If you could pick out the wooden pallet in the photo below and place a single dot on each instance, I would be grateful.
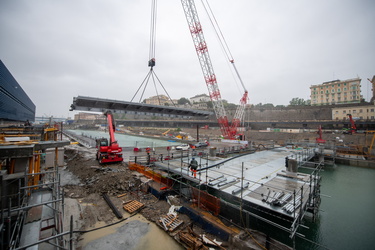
(170, 222)
(133, 206)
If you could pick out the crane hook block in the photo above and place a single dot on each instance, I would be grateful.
(151, 63)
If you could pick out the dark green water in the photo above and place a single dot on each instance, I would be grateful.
(347, 219)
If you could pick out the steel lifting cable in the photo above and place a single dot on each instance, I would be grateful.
(151, 62)
(153, 30)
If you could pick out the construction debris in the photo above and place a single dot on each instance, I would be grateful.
(112, 206)
(191, 241)
(133, 206)
(170, 222)
(121, 195)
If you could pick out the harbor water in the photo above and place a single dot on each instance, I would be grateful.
(347, 218)
(129, 141)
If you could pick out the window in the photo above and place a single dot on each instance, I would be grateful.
(333, 90)
(345, 84)
(344, 111)
(321, 92)
(338, 90)
(360, 111)
(338, 84)
(354, 111)
(337, 111)
(345, 89)
(372, 117)
(372, 110)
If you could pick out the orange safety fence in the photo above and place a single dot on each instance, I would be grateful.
(150, 174)
(206, 201)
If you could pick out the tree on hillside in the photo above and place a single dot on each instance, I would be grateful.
(210, 105)
(296, 101)
(183, 101)
(266, 105)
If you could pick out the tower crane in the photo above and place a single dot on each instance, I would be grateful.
(229, 131)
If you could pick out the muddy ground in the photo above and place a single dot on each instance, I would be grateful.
(115, 179)
(84, 181)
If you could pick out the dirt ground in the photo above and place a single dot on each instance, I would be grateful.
(212, 134)
(114, 179)
(84, 181)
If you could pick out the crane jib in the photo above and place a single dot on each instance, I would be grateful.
(201, 48)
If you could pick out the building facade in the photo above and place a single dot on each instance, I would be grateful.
(200, 98)
(358, 112)
(159, 100)
(15, 104)
(336, 92)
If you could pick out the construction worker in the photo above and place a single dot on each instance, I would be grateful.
(193, 167)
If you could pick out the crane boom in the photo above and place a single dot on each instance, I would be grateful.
(112, 152)
(201, 48)
(206, 65)
(111, 127)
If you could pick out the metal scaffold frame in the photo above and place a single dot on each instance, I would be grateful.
(31, 196)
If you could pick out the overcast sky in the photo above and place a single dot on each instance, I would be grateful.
(57, 50)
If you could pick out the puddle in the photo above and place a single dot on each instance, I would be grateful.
(135, 233)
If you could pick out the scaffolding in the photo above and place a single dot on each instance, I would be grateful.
(31, 196)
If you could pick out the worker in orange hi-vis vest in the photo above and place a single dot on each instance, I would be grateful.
(193, 167)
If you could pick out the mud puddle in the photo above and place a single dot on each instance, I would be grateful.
(134, 233)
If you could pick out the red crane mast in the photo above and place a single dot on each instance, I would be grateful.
(201, 48)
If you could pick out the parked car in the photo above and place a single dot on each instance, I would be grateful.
(183, 147)
(200, 144)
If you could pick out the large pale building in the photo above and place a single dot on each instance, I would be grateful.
(358, 112)
(159, 100)
(200, 98)
(336, 92)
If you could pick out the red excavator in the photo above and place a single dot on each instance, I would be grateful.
(320, 133)
(109, 153)
(353, 127)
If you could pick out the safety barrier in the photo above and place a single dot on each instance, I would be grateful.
(150, 174)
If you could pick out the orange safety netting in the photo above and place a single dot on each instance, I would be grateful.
(150, 174)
